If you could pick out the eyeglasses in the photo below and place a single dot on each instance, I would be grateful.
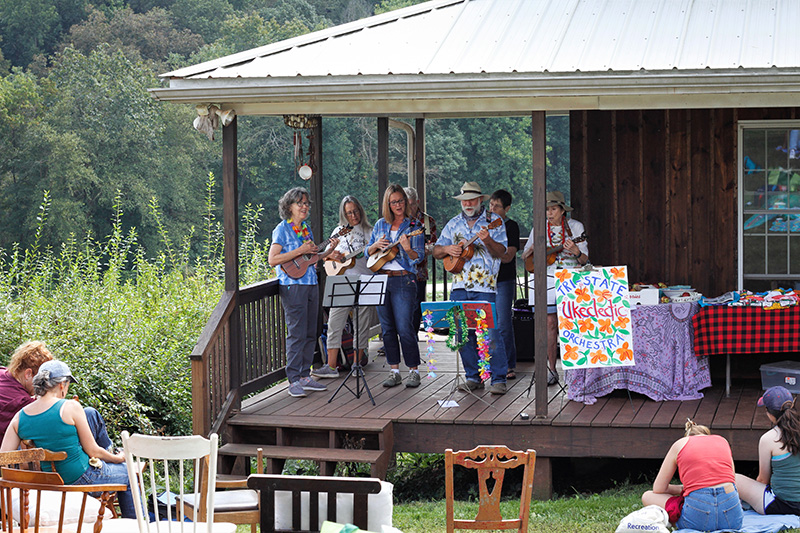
(351, 213)
(304, 204)
(397, 202)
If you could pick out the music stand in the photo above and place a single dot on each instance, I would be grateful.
(469, 308)
(354, 291)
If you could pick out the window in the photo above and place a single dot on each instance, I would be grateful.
(769, 205)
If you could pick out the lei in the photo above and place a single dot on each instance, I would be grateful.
(483, 346)
(459, 332)
(428, 318)
(301, 231)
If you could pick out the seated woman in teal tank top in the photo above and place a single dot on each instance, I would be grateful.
(776, 490)
(57, 424)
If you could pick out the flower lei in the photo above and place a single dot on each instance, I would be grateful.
(459, 332)
(483, 346)
(428, 318)
(301, 231)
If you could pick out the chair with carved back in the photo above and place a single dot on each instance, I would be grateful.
(158, 463)
(66, 507)
(491, 463)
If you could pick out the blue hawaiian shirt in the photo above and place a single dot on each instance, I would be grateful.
(284, 235)
(383, 228)
(479, 273)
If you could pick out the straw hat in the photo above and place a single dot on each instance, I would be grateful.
(471, 190)
(557, 198)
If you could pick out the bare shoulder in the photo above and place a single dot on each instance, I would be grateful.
(772, 439)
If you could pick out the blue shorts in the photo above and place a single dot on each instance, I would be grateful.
(710, 509)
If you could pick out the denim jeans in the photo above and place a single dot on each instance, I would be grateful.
(98, 427)
(504, 335)
(397, 320)
(111, 473)
(300, 305)
(711, 509)
(469, 353)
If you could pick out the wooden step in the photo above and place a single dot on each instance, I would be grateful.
(358, 425)
(302, 452)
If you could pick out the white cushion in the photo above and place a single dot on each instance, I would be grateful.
(231, 500)
(379, 509)
(51, 506)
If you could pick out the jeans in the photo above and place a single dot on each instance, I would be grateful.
(469, 353)
(505, 328)
(300, 306)
(711, 509)
(397, 320)
(111, 473)
(98, 427)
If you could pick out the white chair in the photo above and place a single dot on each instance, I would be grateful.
(162, 462)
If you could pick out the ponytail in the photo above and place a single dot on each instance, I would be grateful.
(695, 429)
(788, 421)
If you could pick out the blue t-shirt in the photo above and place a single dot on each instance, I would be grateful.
(284, 235)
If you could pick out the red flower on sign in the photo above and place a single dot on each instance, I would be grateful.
(618, 272)
(598, 356)
(563, 275)
(586, 325)
(622, 322)
(583, 294)
(625, 352)
(602, 295)
(605, 325)
(565, 323)
(571, 352)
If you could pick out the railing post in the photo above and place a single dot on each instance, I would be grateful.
(230, 206)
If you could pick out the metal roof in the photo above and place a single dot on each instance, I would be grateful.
(460, 56)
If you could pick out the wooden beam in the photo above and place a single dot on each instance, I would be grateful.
(383, 159)
(419, 161)
(230, 202)
(315, 184)
(539, 139)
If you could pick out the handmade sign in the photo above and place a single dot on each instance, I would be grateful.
(594, 317)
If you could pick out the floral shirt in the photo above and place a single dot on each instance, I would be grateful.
(430, 239)
(479, 273)
(353, 242)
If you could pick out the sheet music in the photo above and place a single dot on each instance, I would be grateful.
(373, 289)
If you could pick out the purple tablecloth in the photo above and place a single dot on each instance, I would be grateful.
(666, 367)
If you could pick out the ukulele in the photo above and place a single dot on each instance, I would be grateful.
(551, 253)
(335, 268)
(380, 258)
(454, 265)
(296, 268)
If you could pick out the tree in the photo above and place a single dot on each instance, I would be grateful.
(29, 27)
(202, 17)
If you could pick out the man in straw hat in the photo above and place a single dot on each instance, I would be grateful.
(477, 280)
(569, 233)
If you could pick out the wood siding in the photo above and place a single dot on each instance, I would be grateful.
(657, 190)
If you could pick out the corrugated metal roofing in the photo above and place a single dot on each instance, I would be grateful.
(528, 36)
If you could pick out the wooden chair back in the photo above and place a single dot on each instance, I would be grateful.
(26, 481)
(30, 458)
(491, 463)
(175, 464)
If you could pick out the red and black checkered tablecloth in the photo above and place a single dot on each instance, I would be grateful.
(738, 330)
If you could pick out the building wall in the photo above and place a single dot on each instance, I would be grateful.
(657, 191)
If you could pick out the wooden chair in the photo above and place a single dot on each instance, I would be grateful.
(168, 461)
(25, 481)
(491, 462)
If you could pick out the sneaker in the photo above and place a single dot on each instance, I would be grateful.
(325, 372)
(413, 380)
(470, 385)
(393, 380)
(497, 388)
(296, 390)
(552, 377)
(310, 384)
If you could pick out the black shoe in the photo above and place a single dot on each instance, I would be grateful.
(552, 377)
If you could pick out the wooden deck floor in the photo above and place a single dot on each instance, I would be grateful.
(616, 426)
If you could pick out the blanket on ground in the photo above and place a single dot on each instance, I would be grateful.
(757, 523)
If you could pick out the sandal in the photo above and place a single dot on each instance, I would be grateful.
(511, 374)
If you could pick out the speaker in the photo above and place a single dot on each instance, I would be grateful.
(522, 322)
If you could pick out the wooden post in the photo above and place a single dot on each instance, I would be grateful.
(383, 159)
(315, 184)
(230, 208)
(539, 139)
(419, 162)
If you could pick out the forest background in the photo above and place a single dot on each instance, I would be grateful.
(110, 247)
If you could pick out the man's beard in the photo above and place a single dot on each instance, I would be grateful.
(470, 211)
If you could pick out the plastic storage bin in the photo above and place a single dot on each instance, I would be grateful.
(785, 373)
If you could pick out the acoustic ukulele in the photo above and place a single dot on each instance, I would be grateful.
(380, 258)
(551, 254)
(336, 268)
(454, 265)
(297, 267)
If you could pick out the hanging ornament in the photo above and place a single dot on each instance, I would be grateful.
(298, 123)
(428, 319)
(482, 335)
(457, 336)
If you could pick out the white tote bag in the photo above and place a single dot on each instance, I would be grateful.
(650, 519)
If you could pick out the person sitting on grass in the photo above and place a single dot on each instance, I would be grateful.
(57, 424)
(776, 490)
(705, 465)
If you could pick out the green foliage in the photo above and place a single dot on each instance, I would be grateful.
(125, 323)
(203, 17)
(390, 5)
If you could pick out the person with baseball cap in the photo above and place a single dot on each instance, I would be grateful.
(776, 490)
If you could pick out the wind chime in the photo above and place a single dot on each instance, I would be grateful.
(303, 159)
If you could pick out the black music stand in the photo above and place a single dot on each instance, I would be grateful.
(355, 291)
(469, 307)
